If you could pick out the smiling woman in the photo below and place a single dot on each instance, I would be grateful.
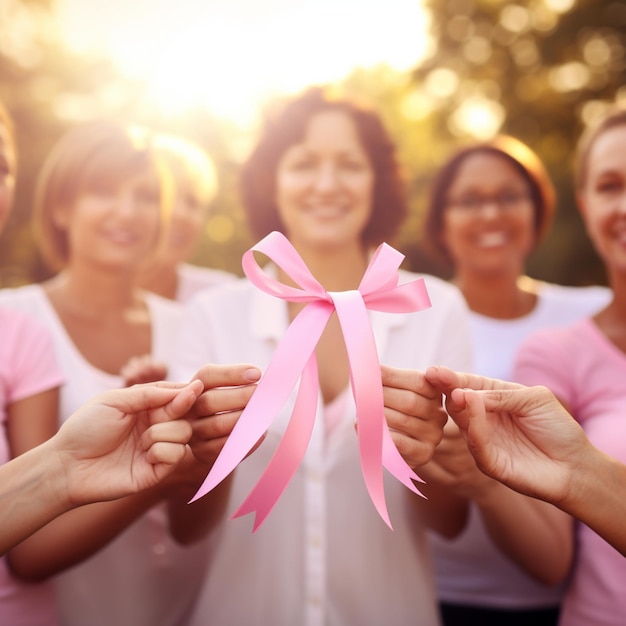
(231, 55)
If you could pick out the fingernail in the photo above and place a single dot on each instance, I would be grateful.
(252, 374)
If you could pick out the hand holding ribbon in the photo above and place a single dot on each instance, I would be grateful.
(295, 358)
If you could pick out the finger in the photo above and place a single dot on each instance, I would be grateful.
(477, 427)
(221, 400)
(138, 398)
(214, 426)
(408, 380)
(446, 379)
(184, 400)
(166, 453)
(213, 375)
(177, 431)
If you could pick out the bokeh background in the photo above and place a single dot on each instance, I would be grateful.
(440, 72)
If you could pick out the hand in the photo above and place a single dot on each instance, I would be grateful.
(414, 412)
(454, 467)
(124, 440)
(227, 390)
(522, 436)
(142, 369)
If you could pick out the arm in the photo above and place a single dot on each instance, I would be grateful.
(524, 437)
(533, 534)
(120, 442)
(415, 416)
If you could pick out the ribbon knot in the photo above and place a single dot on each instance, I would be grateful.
(295, 359)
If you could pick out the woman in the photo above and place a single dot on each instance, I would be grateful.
(99, 216)
(584, 363)
(195, 187)
(30, 378)
(324, 174)
(491, 204)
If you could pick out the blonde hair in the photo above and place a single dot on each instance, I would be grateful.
(90, 156)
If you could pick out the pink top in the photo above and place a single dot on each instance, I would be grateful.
(27, 368)
(587, 372)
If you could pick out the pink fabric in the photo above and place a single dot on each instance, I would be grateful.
(295, 358)
(587, 372)
(27, 368)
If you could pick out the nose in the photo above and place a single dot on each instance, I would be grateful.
(327, 178)
(489, 208)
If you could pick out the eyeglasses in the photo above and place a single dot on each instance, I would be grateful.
(506, 201)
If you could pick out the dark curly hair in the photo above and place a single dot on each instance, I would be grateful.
(288, 127)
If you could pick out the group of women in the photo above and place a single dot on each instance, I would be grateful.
(117, 213)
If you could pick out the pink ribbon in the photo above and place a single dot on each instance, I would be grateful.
(295, 358)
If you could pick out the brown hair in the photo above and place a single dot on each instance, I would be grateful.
(258, 180)
(6, 121)
(89, 156)
(612, 118)
(525, 161)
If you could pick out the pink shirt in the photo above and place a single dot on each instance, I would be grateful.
(27, 368)
(585, 370)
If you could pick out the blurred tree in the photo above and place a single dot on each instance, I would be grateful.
(47, 88)
(537, 70)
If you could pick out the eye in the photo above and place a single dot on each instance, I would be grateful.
(468, 203)
(511, 199)
(608, 186)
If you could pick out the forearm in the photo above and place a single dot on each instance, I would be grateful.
(533, 534)
(77, 535)
(192, 522)
(598, 497)
(441, 510)
(31, 494)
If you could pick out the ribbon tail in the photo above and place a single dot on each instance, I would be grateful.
(290, 451)
(397, 466)
(368, 392)
(281, 376)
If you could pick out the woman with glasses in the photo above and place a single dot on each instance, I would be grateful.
(491, 203)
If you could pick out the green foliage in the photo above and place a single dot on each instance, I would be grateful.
(538, 73)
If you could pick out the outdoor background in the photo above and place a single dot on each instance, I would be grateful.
(440, 72)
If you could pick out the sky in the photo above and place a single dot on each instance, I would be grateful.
(229, 55)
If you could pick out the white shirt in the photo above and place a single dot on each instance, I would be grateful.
(323, 556)
(141, 578)
(470, 569)
(194, 278)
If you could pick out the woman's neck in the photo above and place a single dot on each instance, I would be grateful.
(93, 293)
(337, 269)
(499, 296)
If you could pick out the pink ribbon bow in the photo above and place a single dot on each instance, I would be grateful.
(295, 358)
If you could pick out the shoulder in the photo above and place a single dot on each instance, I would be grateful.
(25, 297)
(594, 296)
(438, 288)
(195, 278)
(565, 339)
(163, 308)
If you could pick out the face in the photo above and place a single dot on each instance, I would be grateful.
(7, 176)
(324, 184)
(114, 227)
(488, 223)
(603, 198)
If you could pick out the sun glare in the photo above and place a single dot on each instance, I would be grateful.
(229, 55)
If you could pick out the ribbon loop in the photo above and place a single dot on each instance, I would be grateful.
(294, 359)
